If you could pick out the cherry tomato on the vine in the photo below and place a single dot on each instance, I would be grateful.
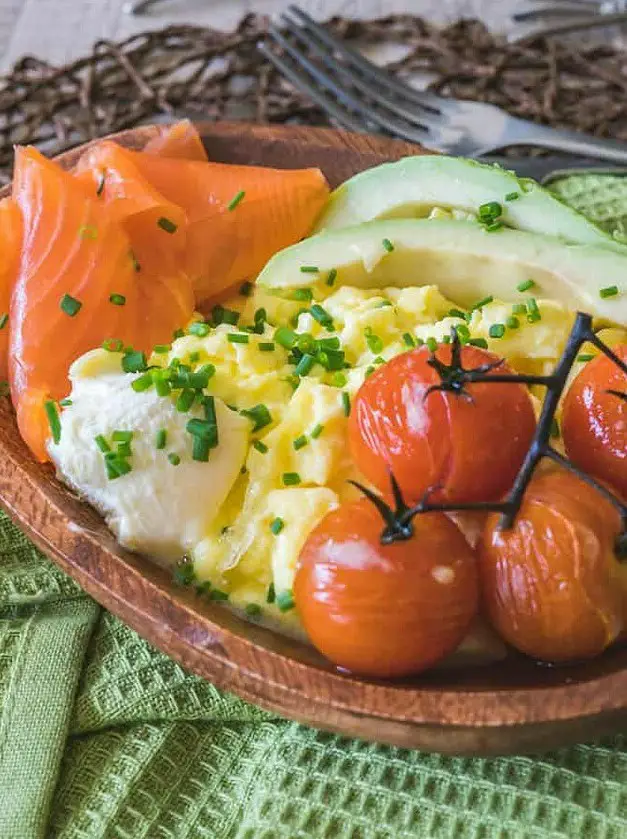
(470, 446)
(385, 610)
(552, 584)
(594, 420)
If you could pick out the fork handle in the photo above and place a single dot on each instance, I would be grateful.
(523, 133)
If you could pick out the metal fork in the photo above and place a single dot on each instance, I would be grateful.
(360, 96)
(544, 18)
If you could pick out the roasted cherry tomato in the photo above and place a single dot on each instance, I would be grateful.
(594, 421)
(552, 584)
(469, 445)
(385, 610)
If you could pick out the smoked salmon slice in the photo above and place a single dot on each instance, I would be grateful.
(180, 140)
(10, 240)
(81, 280)
(237, 216)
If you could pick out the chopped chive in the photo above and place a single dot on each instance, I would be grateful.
(124, 449)
(512, 322)
(525, 285)
(463, 333)
(408, 340)
(329, 343)
(199, 379)
(332, 276)
(369, 371)
(304, 295)
(519, 309)
(53, 420)
(608, 291)
(494, 226)
(285, 601)
(102, 444)
(238, 338)
(200, 449)
(479, 342)
(185, 400)
(209, 404)
(432, 344)
(533, 312)
(134, 361)
(490, 210)
(69, 305)
(293, 381)
(309, 269)
(65, 403)
(389, 247)
(178, 333)
(101, 184)
(230, 316)
(481, 303)
(291, 479)
(271, 594)
(161, 438)
(260, 447)
(112, 345)
(584, 357)
(217, 315)
(321, 315)
(142, 383)
(457, 313)
(122, 436)
(193, 357)
(117, 299)
(332, 359)
(199, 328)
(497, 330)
(253, 610)
(375, 344)
(259, 414)
(88, 231)
(246, 289)
(4, 319)
(174, 459)
(217, 594)
(201, 428)
(235, 200)
(446, 339)
(162, 349)
(266, 346)
(285, 337)
(346, 403)
(383, 304)
(167, 224)
(277, 526)
(339, 379)
(512, 196)
(295, 318)
(305, 365)
(300, 442)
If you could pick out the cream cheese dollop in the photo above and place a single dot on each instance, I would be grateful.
(157, 508)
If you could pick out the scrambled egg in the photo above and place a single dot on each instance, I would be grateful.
(283, 459)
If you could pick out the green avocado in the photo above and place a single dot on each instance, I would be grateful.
(414, 186)
(463, 259)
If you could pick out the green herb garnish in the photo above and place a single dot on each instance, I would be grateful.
(174, 459)
(117, 299)
(277, 525)
(291, 479)
(259, 414)
(167, 224)
(69, 305)
(235, 200)
(389, 247)
(161, 438)
(608, 291)
(525, 285)
(346, 403)
(285, 600)
(260, 447)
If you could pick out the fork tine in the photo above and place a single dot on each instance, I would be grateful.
(424, 99)
(375, 117)
(428, 118)
(302, 82)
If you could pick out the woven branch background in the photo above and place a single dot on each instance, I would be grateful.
(196, 71)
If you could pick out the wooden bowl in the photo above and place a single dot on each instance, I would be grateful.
(513, 706)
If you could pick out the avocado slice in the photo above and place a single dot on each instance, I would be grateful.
(465, 261)
(414, 186)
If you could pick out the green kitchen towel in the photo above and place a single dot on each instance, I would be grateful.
(103, 737)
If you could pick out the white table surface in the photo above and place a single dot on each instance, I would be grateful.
(59, 30)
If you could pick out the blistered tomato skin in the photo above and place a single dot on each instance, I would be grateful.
(594, 421)
(385, 611)
(552, 585)
(470, 448)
